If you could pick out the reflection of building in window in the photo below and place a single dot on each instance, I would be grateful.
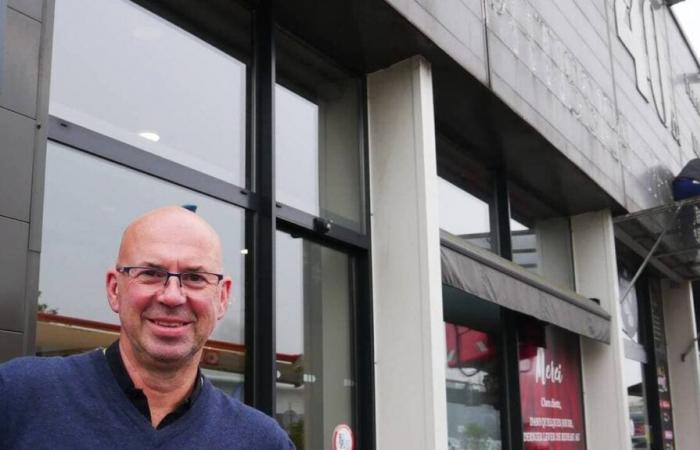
(473, 416)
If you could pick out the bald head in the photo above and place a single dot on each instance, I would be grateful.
(171, 225)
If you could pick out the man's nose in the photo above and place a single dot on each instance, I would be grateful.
(172, 294)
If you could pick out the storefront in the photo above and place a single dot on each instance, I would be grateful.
(424, 206)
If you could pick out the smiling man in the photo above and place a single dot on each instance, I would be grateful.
(146, 389)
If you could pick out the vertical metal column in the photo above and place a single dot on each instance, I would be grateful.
(511, 413)
(260, 309)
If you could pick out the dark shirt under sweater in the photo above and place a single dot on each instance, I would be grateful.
(137, 397)
(75, 402)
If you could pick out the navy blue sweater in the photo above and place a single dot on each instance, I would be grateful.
(75, 403)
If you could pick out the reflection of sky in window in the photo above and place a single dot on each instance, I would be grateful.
(121, 71)
(296, 151)
(631, 372)
(87, 203)
(462, 213)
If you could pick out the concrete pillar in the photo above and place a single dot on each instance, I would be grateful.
(25, 43)
(595, 273)
(679, 320)
(554, 251)
(411, 408)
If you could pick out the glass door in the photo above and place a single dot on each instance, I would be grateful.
(314, 339)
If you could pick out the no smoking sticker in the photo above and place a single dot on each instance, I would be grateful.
(343, 438)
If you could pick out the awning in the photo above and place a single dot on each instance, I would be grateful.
(495, 279)
(667, 237)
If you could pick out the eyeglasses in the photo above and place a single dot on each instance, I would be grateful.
(152, 276)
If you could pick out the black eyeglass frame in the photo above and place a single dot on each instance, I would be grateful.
(125, 270)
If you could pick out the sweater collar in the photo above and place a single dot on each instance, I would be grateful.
(137, 397)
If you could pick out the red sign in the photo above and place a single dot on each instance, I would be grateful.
(550, 391)
(466, 347)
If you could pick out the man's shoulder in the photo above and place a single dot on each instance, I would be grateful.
(249, 423)
(27, 370)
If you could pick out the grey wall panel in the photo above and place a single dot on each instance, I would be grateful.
(32, 8)
(17, 140)
(21, 64)
(10, 345)
(454, 25)
(31, 299)
(653, 145)
(13, 261)
(549, 62)
(686, 93)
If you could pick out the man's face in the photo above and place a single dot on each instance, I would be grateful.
(167, 325)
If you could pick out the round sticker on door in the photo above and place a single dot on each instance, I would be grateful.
(343, 438)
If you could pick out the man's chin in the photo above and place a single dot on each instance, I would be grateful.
(172, 355)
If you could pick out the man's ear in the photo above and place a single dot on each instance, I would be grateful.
(224, 295)
(112, 290)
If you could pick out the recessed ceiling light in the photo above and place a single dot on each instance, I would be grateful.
(150, 135)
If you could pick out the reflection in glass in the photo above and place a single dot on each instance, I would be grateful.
(314, 344)
(636, 403)
(87, 203)
(318, 138)
(628, 306)
(128, 74)
(472, 379)
(524, 245)
(543, 246)
(464, 215)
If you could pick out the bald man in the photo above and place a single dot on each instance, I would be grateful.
(146, 389)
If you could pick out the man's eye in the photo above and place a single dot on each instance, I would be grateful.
(193, 277)
(150, 273)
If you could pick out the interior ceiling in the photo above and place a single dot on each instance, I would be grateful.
(368, 35)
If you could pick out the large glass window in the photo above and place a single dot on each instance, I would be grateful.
(464, 215)
(318, 136)
(473, 385)
(473, 373)
(128, 74)
(540, 238)
(87, 204)
(315, 385)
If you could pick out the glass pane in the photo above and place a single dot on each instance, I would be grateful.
(315, 384)
(629, 306)
(543, 246)
(473, 389)
(125, 73)
(633, 373)
(318, 143)
(464, 215)
(87, 203)
(524, 245)
(296, 145)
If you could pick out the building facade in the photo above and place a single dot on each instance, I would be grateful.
(434, 212)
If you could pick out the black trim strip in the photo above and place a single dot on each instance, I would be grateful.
(105, 147)
(261, 370)
(288, 215)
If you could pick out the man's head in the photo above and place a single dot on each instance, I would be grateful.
(166, 323)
